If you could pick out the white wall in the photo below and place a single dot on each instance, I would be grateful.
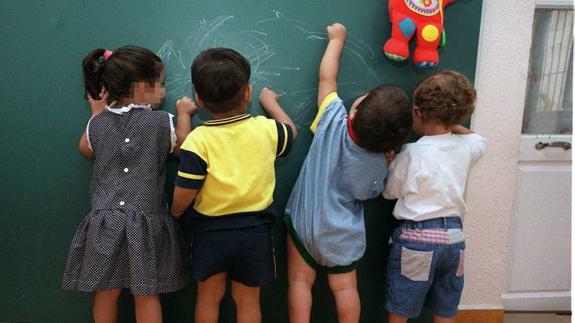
(501, 80)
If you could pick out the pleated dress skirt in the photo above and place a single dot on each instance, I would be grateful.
(142, 252)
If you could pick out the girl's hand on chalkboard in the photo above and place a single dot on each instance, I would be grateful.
(336, 31)
(186, 105)
(98, 106)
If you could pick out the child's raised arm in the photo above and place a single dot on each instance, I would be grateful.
(329, 66)
(269, 101)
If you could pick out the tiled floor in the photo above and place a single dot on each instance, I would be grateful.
(535, 318)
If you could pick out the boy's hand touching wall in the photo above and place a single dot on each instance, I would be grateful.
(268, 97)
(185, 105)
(185, 109)
(336, 31)
(269, 101)
(329, 66)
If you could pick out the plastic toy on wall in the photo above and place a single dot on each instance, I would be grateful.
(423, 18)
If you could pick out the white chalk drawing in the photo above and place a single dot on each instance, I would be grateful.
(260, 48)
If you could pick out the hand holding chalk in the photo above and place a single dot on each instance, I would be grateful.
(336, 31)
(186, 105)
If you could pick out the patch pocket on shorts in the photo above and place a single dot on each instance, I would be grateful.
(460, 266)
(415, 264)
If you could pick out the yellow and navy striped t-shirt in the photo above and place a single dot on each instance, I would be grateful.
(231, 162)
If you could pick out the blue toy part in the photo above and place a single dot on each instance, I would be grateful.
(407, 27)
(425, 65)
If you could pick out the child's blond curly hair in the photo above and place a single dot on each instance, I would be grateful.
(446, 97)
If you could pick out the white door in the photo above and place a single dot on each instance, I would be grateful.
(539, 263)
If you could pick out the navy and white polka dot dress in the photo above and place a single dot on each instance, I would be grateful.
(129, 239)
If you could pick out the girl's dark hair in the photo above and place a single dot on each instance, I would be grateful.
(382, 121)
(220, 77)
(446, 97)
(117, 74)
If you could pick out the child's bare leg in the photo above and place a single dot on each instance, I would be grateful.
(300, 280)
(394, 318)
(247, 300)
(439, 319)
(210, 293)
(105, 305)
(148, 309)
(344, 289)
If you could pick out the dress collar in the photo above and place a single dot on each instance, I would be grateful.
(127, 108)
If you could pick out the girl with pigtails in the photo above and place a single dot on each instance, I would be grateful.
(128, 240)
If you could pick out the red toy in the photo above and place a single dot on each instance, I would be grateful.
(424, 17)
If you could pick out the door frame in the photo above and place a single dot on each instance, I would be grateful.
(536, 300)
(501, 83)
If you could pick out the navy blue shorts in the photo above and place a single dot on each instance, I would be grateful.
(425, 268)
(245, 254)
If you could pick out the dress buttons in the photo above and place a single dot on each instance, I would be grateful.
(122, 203)
(127, 140)
(126, 170)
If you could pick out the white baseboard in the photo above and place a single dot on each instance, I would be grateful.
(538, 301)
(465, 307)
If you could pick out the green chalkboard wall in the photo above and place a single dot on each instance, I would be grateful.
(44, 180)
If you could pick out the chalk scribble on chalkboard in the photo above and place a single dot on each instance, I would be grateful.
(206, 34)
(254, 45)
(167, 51)
(260, 47)
(357, 50)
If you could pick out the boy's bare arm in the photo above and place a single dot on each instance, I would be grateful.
(183, 197)
(329, 66)
(269, 101)
(185, 109)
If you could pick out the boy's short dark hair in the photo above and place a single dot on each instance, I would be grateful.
(446, 97)
(382, 121)
(220, 77)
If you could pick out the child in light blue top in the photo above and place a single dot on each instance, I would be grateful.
(346, 165)
(325, 207)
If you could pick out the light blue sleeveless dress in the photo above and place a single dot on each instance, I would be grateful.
(324, 213)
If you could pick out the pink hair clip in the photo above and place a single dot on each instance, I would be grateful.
(107, 54)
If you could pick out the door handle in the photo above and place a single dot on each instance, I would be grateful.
(557, 144)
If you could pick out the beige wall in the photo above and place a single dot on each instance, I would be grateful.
(501, 80)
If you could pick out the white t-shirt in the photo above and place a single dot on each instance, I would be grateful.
(428, 177)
